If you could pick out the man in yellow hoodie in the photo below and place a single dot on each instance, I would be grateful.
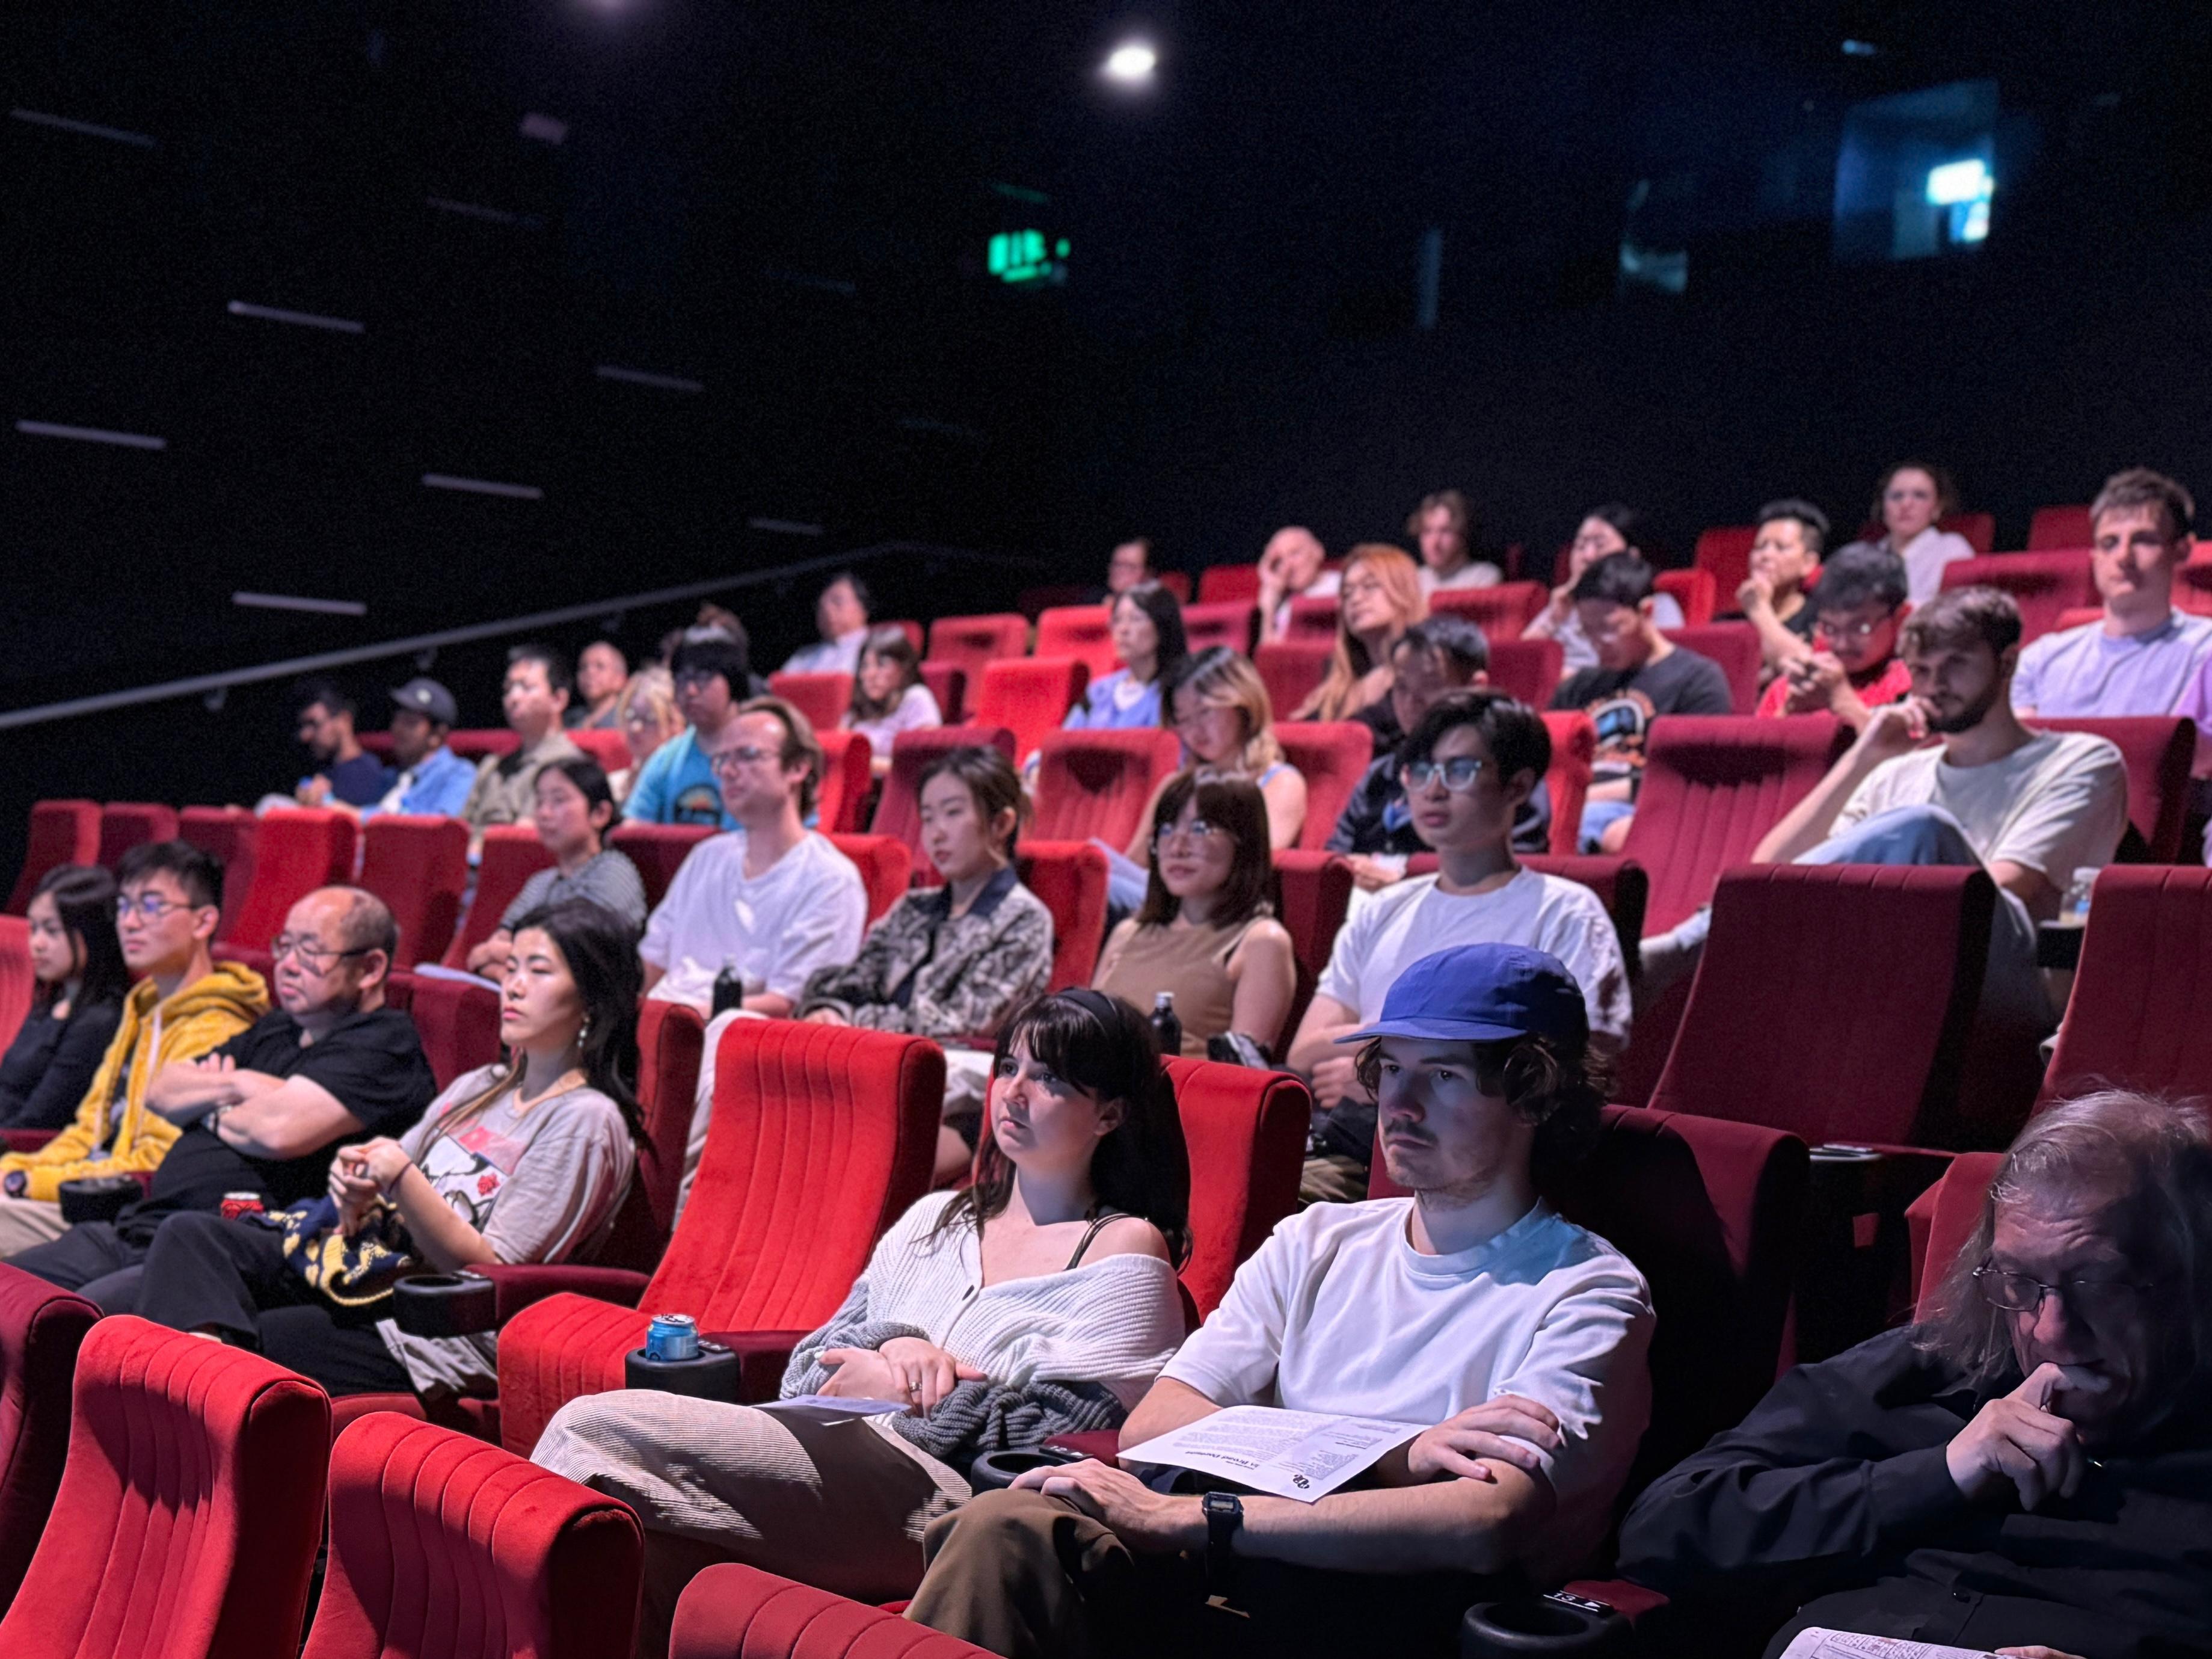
(182, 1006)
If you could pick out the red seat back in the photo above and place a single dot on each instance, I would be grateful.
(230, 836)
(512, 855)
(1098, 783)
(1030, 696)
(969, 642)
(1332, 756)
(1724, 554)
(1313, 619)
(474, 745)
(948, 684)
(1315, 890)
(1246, 1133)
(1218, 583)
(40, 1330)
(1501, 611)
(1734, 647)
(1529, 670)
(1693, 591)
(458, 1021)
(189, 1505)
(299, 849)
(898, 809)
(2136, 1017)
(1977, 530)
(2192, 586)
(1069, 880)
(886, 868)
(18, 984)
(658, 851)
(671, 1043)
(606, 746)
(847, 770)
(823, 698)
(1879, 1064)
(1950, 1211)
(124, 824)
(1084, 632)
(440, 1544)
(1227, 623)
(2159, 753)
(2045, 586)
(1291, 669)
(2053, 528)
(731, 1609)
(419, 866)
(1574, 754)
(62, 832)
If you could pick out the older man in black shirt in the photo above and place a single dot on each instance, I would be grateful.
(2030, 1468)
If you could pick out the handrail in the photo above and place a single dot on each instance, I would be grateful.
(199, 684)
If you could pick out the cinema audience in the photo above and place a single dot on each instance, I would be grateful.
(648, 718)
(2028, 1469)
(432, 781)
(1039, 1300)
(1221, 714)
(887, 694)
(78, 983)
(602, 671)
(263, 1114)
(1615, 527)
(1466, 768)
(1853, 667)
(1785, 556)
(1148, 638)
(1471, 1306)
(1443, 528)
(841, 616)
(676, 784)
(533, 695)
(1130, 563)
(344, 771)
(1911, 497)
(1290, 568)
(1378, 599)
(575, 809)
(182, 1005)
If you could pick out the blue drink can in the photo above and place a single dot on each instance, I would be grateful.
(671, 1336)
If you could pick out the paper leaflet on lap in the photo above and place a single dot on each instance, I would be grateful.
(1298, 1454)
(1818, 1643)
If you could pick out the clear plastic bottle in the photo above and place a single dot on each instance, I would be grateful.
(2074, 911)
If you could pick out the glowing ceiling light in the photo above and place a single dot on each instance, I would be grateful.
(1957, 182)
(1131, 64)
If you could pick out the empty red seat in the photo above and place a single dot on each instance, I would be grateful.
(440, 1544)
(822, 1136)
(609, 748)
(886, 868)
(1734, 646)
(657, 850)
(1313, 619)
(1724, 554)
(473, 745)
(1332, 756)
(2159, 753)
(2056, 528)
(2045, 586)
(1099, 783)
(1069, 880)
(18, 984)
(1291, 669)
(298, 849)
(419, 866)
(62, 832)
(1501, 611)
(1693, 591)
(848, 772)
(969, 642)
(1246, 1133)
(230, 836)
(732, 1610)
(1574, 754)
(1177, 583)
(458, 1021)
(1218, 583)
(823, 698)
(948, 684)
(124, 824)
(41, 1328)
(2136, 1016)
(1030, 696)
(1084, 632)
(898, 809)
(1529, 670)
(189, 1508)
(512, 855)
(1227, 623)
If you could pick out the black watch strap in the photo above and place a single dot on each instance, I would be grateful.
(1224, 1515)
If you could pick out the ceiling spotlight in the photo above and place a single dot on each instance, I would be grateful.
(1131, 64)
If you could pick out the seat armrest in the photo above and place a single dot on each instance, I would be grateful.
(1632, 1601)
(762, 1357)
(520, 1284)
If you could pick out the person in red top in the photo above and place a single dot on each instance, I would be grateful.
(1854, 667)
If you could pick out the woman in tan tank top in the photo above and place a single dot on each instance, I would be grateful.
(1206, 932)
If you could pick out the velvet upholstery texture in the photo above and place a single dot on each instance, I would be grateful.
(61, 832)
(898, 808)
(1030, 696)
(1099, 783)
(419, 866)
(42, 1329)
(299, 849)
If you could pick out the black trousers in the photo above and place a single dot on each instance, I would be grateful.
(93, 1259)
(204, 1273)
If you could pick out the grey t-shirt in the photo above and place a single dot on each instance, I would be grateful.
(2084, 673)
(608, 880)
(541, 1185)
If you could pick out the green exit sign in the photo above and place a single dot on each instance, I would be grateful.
(1024, 256)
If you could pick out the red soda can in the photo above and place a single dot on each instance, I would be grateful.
(235, 1205)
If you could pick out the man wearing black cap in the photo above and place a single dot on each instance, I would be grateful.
(433, 780)
(1471, 1306)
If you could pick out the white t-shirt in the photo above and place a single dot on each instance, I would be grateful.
(1475, 573)
(807, 910)
(1415, 919)
(2056, 804)
(1337, 1312)
(1924, 558)
(1325, 586)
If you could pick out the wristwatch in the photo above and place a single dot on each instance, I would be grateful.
(1224, 1515)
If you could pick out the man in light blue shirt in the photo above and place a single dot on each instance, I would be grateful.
(841, 616)
(434, 781)
(676, 784)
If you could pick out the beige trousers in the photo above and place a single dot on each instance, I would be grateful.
(25, 1222)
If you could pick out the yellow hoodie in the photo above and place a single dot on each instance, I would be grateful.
(201, 1016)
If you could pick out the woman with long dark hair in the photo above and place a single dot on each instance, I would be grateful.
(573, 808)
(1148, 637)
(523, 1161)
(1038, 1300)
(77, 964)
(887, 694)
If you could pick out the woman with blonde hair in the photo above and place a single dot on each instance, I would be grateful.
(647, 715)
(1380, 598)
(1218, 705)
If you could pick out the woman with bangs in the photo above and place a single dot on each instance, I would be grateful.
(1380, 598)
(1218, 708)
(1041, 1299)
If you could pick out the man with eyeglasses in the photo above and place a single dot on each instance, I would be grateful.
(265, 1112)
(2026, 1470)
(182, 1005)
(677, 783)
(1853, 667)
(1467, 767)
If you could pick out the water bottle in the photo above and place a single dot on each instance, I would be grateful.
(729, 987)
(1165, 1025)
(2075, 911)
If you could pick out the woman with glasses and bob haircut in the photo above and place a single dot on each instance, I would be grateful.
(1207, 932)
(1218, 705)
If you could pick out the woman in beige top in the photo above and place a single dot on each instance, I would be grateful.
(1206, 932)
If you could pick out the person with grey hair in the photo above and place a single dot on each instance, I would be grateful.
(2028, 1469)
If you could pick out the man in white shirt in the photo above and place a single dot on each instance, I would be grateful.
(1290, 568)
(1442, 528)
(1468, 765)
(841, 616)
(1471, 1306)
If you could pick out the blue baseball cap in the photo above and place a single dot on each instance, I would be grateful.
(1483, 993)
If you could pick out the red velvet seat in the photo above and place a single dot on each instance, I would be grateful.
(2192, 585)
(610, 749)
(419, 866)
(948, 684)
(41, 1329)
(512, 855)
(298, 850)
(1218, 583)
(1734, 646)
(969, 642)
(1693, 591)
(442, 1545)
(1313, 620)
(230, 836)
(189, 1510)
(2055, 528)
(1943, 1217)
(1567, 779)
(1228, 624)
(1528, 669)
(2159, 752)
(823, 698)
(61, 832)
(1069, 880)
(657, 850)
(1501, 611)
(458, 1021)
(898, 809)
(124, 824)
(2045, 586)
(1246, 1133)
(18, 984)
(821, 1136)
(1030, 696)
(1084, 632)
(670, 1044)
(848, 774)
(886, 868)
(1724, 554)
(473, 745)
(1291, 669)
(1099, 783)
(2138, 1016)
(735, 1612)
(1332, 756)
(1315, 891)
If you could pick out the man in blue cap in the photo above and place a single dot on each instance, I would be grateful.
(1470, 1306)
